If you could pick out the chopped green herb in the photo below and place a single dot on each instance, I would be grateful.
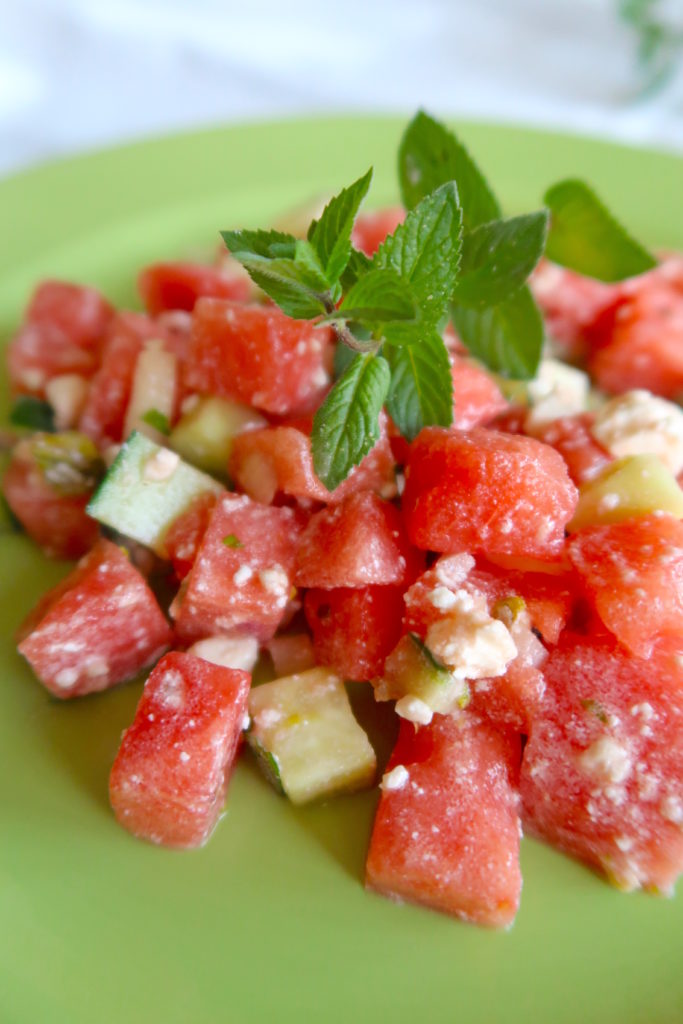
(33, 413)
(594, 707)
(231, 541)
(158, 420)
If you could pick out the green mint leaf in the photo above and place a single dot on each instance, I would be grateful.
(272, 245)
(585, 237)
(498, 257)
(287, 284)
(346, 427)
(429, 156)
(343, 357)
(158, 421)
(508, 338)
(330, 236)
(358, 265)
(379, 297)
(421, 392)
(33, 413)
(425, 250)
(231, 541)
(309, 267)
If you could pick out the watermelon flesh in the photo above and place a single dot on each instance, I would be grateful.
(602, 771)
(98, 627)
(446, 833)
(169, 779)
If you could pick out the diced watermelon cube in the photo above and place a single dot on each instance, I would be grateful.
(571, 436)
(57, 522)
(105, 408)
(170, 775)
(184, 535)
(447, 830)
(357, 543)
(633, 573)
(98, 627)
(62, 333)
(257, 355)
(354, 630)
(278, 460)
(602, 772)
(370, 229)
(569, 302)
(242, 577)
(166, 286)
(489, 492)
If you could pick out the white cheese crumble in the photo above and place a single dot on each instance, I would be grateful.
(640, 423)
(275, 580)
(671, 808)
(453, 570)
(414, 710)
(606, 760)
(471, 643)
(557, 390)
(161, 466)
(442, 598)
(243, 575)
(184, 756)
(395, 779)
(171, 690)
(230, 652)
(66, 677)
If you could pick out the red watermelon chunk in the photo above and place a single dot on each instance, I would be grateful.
(602, 773)
(166, 286)
(571, 436)
(185, 534)
(169, 779)
(633, 573)
(370, 229)
(357, 543)
(446, 832)
(104, 414)
(278, 460)
(569, 303)
(98, 627)
(637, 341)
(62, 333)
(242, 577)
(257, 355)
(489, 492)
(57, 522)
(354, 630)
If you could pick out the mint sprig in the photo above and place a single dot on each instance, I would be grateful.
(455, 255)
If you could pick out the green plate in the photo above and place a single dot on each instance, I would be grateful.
(270, 922)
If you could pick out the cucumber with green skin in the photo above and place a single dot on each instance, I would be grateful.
(145, 489)
(204, 435)
(306, 738)
(411, 670)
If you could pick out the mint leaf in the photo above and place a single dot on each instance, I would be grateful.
(346, 426)
(284, 267)
(158, 420)
(270, 244)
(429, 156)
(358, 265)
(425, 250)
(379, 297)
(421, 391)
(498, 257)
(33, 413)
(330, 236)
(585, 237)
(232, 541)
(508, 338)
(343, 357)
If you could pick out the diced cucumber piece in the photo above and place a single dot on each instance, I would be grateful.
(204, 435)
(145, 489)
(411, 670)
(637, 485)
(153, 390)
(304, 732)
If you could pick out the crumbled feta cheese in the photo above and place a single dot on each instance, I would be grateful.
(671, 808)
(66, 677)
(161, 466)
(606, 760)
(243, 575)
(171, 691)
(230, 652)
(471, 643)
(275, 580)
(184, 756)
(639, 423)
(453, 570)
(557, 390)
(395, 779)
(414, 710)
(442, 598)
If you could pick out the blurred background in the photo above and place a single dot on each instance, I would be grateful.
(78, 74)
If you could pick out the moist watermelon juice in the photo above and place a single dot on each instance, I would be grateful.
(512, 584)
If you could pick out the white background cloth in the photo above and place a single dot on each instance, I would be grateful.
(76, 74)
